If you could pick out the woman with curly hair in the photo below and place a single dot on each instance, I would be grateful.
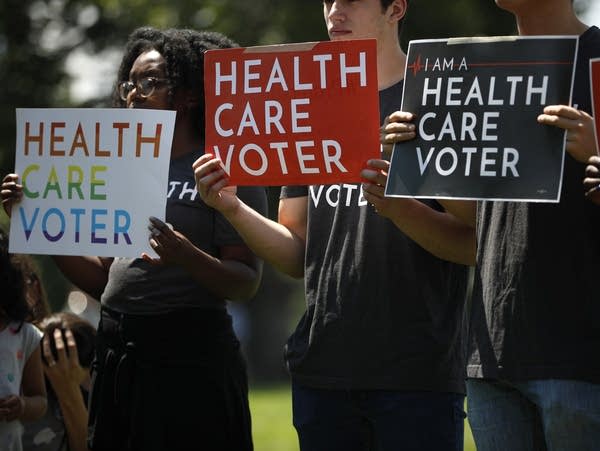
(169, 374)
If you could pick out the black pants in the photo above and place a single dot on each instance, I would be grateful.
(173, 381)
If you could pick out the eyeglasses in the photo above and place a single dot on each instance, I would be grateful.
(144, 87)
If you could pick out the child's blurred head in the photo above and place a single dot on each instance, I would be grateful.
(83, 333)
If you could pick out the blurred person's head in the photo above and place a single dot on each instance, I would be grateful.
(35, 294)
(83, 333)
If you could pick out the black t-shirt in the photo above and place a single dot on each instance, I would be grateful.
(138, 287)
(382, 313)
(535, 306)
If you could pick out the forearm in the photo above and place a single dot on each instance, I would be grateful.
(90, 274)
(269, 240)
(34, 407)
(439, 233)
(75, 417)
(228, 279)
(463, 210)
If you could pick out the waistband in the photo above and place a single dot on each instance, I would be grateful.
(178, 335)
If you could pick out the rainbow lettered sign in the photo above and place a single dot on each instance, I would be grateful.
(293, 114)
(91, 178)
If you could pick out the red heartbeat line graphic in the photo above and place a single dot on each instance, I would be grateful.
(418, 65)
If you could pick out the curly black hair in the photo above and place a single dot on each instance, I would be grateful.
(13, 302)
(183, 51)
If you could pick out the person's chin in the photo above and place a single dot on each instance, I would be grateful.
(339, 36)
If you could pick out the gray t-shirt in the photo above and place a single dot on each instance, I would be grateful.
(382, 313)
(535, 306)
(137, 287)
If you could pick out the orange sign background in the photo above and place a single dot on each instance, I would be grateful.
(294, 114)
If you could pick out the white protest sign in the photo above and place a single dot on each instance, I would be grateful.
(91, 178)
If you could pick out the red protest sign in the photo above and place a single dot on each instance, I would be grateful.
(595, 85)
(294, 114)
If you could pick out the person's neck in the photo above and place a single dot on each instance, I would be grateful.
(185, 140)
(549, 19)
(391, 63)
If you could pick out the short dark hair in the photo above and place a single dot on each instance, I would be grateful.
(386, 3)
(384, 6)
(83, 333)
(183, 51)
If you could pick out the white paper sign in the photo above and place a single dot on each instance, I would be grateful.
(91, 178)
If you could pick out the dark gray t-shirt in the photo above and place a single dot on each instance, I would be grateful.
(137, 287)
(382, 313)
(535, 306)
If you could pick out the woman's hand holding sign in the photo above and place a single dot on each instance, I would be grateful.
(12, 192)
(211, 183)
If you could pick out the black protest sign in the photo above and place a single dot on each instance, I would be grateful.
(476, 101)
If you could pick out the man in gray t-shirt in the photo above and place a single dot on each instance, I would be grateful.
(377, 359)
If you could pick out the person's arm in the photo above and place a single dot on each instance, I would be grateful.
(581, 140)
(234, 275)
(463, 210)
(449, 235)
(438, 232)
(66, 376)
(11, 192)
(281, 243)
(90, 274)
(33, 402)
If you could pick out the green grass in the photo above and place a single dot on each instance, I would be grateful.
(271, 410)
(272, 420)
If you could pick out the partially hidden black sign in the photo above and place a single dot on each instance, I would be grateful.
(476, 101)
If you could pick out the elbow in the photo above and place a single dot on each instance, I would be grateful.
(294, 271)
(243, 292)
(246, 288)
(469, 257)
(297, 273)
(293, 267)
(463, 249)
